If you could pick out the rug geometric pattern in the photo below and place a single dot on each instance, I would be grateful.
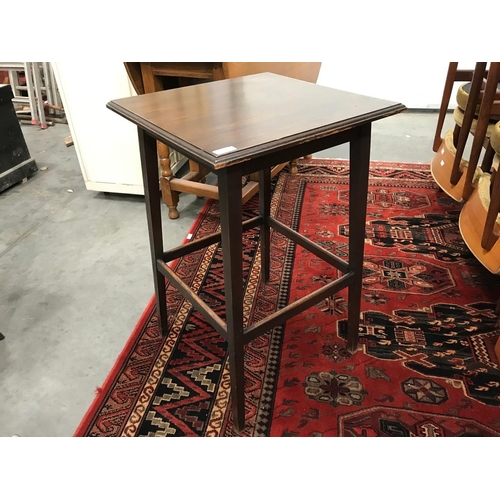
(425, 366)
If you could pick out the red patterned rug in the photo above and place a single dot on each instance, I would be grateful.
(425, 366)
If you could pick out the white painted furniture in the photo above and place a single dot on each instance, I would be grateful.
(106, 146)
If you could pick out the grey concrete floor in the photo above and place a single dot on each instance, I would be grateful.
(75, 274)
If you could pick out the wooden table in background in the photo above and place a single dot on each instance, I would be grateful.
(243, 126)
(152, 77)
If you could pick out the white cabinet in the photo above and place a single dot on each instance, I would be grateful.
(106, 145)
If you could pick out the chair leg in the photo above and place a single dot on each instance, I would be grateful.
(469, 112)
(482, 125)
(448, 88)
(170, 197)
(489, 154)
(456, 134)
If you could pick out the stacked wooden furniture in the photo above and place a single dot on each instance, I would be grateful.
(486, 203)
(476, 114)
(478, 219)
(149, 77)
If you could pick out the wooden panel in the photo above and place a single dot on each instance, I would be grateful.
(249, 112)
(184, 69)
(307, 71)
(135, 76)
(150, 81)
(106, 145)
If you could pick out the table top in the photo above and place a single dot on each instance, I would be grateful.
(226, 122)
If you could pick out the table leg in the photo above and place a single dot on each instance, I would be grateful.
(231, 229)
(149, 162)
(265, 211)
(359, 151)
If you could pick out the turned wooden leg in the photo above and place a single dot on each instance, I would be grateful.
(456, 134)
(170, 197)
(293, 164)
(489, 154)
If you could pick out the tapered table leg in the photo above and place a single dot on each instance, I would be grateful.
(231, 229)
(265, 212)
(149, 162)
(359, 151)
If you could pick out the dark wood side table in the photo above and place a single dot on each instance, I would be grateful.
(241, 126)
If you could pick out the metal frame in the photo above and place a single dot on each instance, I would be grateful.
(39, 77)
(30, 83)
(35, 69)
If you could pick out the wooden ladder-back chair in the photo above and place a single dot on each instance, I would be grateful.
(156, 76)
(453, 75)
(453, 173)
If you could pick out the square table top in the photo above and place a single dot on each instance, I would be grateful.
(225, 122)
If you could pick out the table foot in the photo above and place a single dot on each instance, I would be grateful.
(173, 213)
(237, 374)
(352, 349)
(239, 425)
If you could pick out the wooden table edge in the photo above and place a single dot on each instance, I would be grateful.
(219, 162)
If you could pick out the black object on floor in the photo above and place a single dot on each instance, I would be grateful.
(15, 160)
